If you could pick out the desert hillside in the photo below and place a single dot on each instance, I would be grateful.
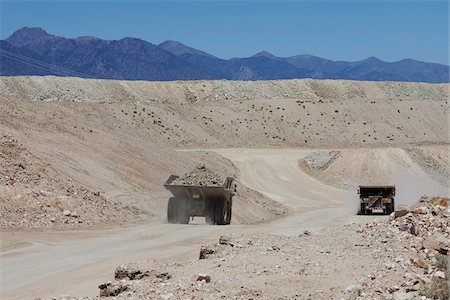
(93, 154)
(121, 138)
(201, 114)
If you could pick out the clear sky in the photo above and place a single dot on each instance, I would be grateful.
(333, 29)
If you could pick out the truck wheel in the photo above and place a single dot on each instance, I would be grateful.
(209, 212)
(219, 213)
(390, 208)
(362, 210)
(172, 210)
(228, 218)
(182, 211)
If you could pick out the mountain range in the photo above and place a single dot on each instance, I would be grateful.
(32, 51)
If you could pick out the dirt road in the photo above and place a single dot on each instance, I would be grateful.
(58, 263)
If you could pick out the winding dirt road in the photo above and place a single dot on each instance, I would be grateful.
(59, 263)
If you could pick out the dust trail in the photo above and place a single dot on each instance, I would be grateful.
(410, 187)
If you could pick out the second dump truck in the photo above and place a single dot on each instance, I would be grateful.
(376, 199)
(214, 202)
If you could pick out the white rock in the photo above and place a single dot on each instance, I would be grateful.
(66, 213)
(403, 296)
(351, 288)
(439, 274)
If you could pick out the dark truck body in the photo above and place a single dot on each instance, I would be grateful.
(376, 199)
(212, 202)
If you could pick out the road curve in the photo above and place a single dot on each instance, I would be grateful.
(59, 263)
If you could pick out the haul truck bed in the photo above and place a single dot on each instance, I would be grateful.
(212, 202)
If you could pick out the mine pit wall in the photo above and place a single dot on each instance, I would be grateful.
(121, 137)
(285, 113)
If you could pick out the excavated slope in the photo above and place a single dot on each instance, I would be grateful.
(119, 137)
(286, 113)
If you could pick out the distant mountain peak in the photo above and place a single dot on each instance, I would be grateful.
(26, 35)
(178, 49)
(264, 54)
(373, 59)
(172, 43)
(131, 39)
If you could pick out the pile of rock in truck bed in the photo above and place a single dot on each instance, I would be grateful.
(201, 175)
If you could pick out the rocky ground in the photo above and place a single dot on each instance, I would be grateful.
(88, 153)
(119, 137)
(402, 257)
(199, 114)
(34, 195)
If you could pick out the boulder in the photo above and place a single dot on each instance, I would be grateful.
(421, 264)
(437, 241)
(204, 277)
(439, 274)
(205, 252)
(353, 291)
(441, 202)
(224, 240)
(423, 210)
(400, 212)
(131, 272)
(112, 289)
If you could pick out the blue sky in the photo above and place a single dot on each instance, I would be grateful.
(338, 30)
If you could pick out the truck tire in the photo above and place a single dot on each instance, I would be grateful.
(219, 212)
(182, 211)
(390, 208)
(228, 217)
(172, 210)
(209, 212)
(362, 209)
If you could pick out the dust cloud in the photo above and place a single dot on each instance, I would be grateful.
(411, 186)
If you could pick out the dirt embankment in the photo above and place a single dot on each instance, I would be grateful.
(421, 169)
(118, 137)
(284, 113)
(34, 195)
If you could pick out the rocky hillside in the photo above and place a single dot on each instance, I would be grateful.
(34, 195)
(122, 138)
(305, 113)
